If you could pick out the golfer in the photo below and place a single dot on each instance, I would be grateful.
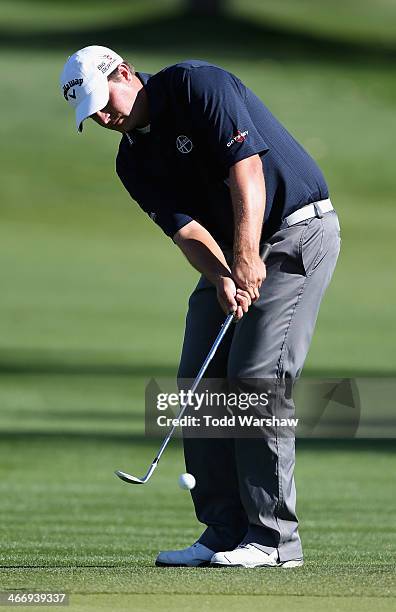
(210, 164)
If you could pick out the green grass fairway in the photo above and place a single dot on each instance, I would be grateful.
(93, 300)
(68, 523)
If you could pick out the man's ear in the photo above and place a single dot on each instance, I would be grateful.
(124, 72)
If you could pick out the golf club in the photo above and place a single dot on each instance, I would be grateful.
(223, 330)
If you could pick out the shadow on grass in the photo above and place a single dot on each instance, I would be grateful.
(186, 36)
(32, 362)
(68, 437)
(78, 415)
(76, 363)
(380, 445)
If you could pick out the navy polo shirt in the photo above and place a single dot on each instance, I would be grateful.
(203, 120)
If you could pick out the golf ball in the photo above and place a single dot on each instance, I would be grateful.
(186, 481)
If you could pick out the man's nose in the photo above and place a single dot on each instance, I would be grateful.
(103, 117)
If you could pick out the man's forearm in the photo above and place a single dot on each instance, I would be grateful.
(202, 251)
(205, 255)
(247, 189)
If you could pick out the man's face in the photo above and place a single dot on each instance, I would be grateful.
(116, 115)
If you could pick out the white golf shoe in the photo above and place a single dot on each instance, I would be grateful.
(196, 555)
(247, 555)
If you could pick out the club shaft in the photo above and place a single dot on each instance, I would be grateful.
(200, 374)
(223, 330)
(264, 254)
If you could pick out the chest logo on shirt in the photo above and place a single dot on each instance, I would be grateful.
(184, 144)
(238, 137)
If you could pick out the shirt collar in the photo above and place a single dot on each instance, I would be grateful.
(155, 94)
(156, 100)
(143, 77)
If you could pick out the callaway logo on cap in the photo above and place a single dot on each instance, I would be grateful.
(84, 80)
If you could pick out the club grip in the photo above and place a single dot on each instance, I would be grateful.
(265, 250)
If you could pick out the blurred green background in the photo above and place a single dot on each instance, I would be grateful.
(85, 276)
(93, 296)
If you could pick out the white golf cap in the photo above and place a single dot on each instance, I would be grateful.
(84, 80)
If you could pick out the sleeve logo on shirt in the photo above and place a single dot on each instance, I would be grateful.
(238, 137)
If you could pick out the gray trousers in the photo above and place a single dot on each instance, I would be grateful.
(245, 491)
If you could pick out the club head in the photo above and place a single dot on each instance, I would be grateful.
(132, 479)
(128, 478)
